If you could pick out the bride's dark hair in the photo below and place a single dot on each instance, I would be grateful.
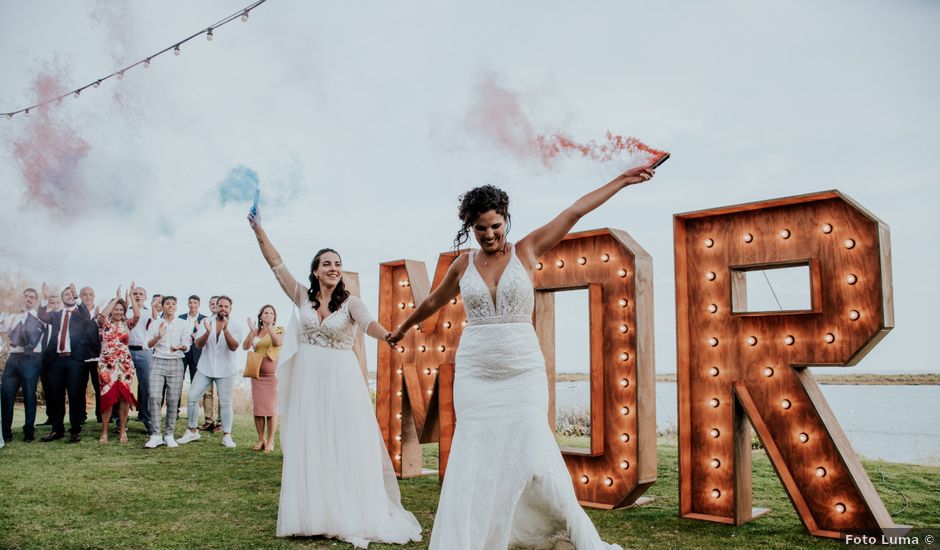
(339, 293)
(477, 201)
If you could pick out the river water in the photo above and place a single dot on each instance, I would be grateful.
(893, 423)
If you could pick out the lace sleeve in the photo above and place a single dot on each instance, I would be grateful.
(360, 313)
(294, 290)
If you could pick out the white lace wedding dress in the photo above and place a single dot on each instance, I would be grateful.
(506, 483)
(337, 479)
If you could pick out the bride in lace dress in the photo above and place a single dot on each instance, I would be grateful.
(337, 479)
(506, 482)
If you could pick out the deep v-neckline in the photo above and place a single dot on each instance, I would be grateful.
(494, 295)
(316, 312)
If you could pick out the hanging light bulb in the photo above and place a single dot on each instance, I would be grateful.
(26, 112)
(209, 36)
(176, 50)
(120, 75)
(9, 115)
(77, 92)
(244, 16)
(97, 83)
(147, 63)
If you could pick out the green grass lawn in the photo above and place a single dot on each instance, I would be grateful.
(202, 495)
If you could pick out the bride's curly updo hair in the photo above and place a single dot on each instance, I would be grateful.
(339, 293)
(477, 201)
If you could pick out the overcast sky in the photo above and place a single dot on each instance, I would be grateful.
(358, 120)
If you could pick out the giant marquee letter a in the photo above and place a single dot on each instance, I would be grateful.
(737, 365)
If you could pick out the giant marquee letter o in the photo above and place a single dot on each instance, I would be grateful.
(736, 366)
(414, 387)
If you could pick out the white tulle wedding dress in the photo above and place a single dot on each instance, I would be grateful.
(506, 483)
(337, 479)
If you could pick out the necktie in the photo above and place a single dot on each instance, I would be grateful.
(63, 332)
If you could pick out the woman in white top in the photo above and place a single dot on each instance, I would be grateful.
(337, 479)
(506, 483)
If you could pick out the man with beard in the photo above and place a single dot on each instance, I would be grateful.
(210, 401)
(141, 354)
(217, 364)
(87, 294)
(54, 304)
(68, 350)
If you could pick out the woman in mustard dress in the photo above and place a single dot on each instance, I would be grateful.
(265, 338)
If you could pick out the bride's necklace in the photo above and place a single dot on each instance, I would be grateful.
(486, 262)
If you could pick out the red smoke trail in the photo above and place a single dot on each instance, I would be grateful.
(50, 151)
(497, 115)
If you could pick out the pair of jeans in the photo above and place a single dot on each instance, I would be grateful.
(198, 387)
(21, 371)
(67, 375)
(142, 360)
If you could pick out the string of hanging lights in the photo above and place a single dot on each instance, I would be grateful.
(176, 47)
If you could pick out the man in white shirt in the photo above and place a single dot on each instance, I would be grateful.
(169, 339)
(218, 342)
(23, 365)
(141, 354)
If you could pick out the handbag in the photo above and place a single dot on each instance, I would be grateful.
(253, 365)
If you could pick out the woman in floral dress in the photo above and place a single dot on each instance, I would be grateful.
(115, 366)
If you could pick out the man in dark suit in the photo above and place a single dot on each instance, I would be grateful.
(55, 304)
(87, 295)
(69, 347)
(23, 365)
(193, 317)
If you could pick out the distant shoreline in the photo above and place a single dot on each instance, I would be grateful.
(930, 379)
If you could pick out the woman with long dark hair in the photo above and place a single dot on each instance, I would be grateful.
(506, 483)
(265, 337)
(115, 366)
(337, 479)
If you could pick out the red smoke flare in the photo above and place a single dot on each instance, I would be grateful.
(497, 115)
(50, 151)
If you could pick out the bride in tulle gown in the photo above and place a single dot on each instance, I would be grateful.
(337, 479)
(506, 483)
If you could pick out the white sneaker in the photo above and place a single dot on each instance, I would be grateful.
(228, 441)
(189, 436)
(170, 442)
(154, 442)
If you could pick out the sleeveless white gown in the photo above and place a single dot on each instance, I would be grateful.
(337, 479)
(506, 483)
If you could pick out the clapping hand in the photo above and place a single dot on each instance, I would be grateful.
(251, 326)
(162, 329)
(208, 327)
